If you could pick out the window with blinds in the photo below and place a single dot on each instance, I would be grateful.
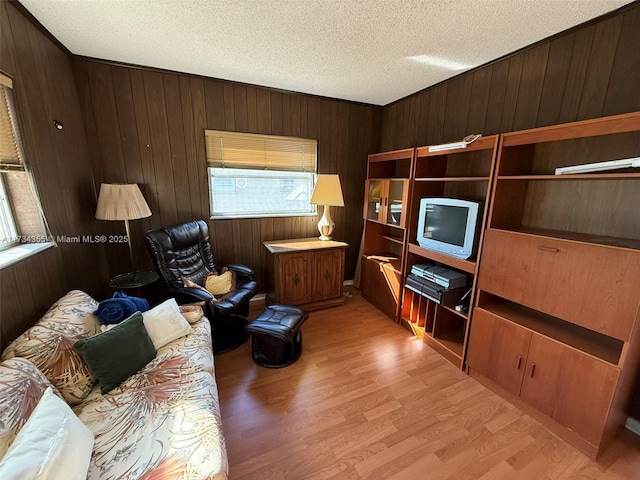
(254, 175)
(21, 218)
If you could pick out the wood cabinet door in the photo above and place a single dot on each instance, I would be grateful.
(294, 280)
(328, 273)
(571, 387)
(380, 286)
(498, 350)
(375, 200)
(591, 285)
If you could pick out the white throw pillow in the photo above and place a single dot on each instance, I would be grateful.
(165, 323)
(53, 444)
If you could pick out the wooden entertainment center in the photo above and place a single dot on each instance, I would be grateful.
(555, 318)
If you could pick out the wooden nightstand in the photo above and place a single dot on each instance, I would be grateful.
(307, 272)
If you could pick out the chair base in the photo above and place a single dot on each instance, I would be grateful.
(229, 335)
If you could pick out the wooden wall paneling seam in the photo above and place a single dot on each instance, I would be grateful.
(264, 111)
(252, 109)
(479, 101)
(422, 129)
(582, 42)
(555, 81)
(414, 118)
(286, 114)
(599, 68)
(441, 110)
(497, 91)
(160, 147)
(86, 105)
(625, 72)
(457, 107)
(141, 118)
(275, 101)
(189, 133)
(530, 87)
(229, 113)
(511, 92)
(240, 108)
(177, 148)
(199, 158)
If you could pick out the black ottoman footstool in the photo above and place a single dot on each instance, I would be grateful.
(276, 339)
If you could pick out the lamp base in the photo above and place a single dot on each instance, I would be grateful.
(326, 224)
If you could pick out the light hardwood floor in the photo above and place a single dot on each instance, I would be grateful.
(368, 400)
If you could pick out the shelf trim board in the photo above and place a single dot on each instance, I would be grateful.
(403, 154)
(624, 123)
(453, 179)
(467, 266)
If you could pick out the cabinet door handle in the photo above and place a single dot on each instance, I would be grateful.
(548, 249)
(533, 368)
(296, 279)
(327, 275)
(519, 362)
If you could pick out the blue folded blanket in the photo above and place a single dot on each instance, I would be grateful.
(120, 307)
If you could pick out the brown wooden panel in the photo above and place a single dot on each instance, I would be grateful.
(512, 88)
(479, 100)
(160, 148)
(457, 107)
(530, 89)
(583, 39)
(625, 73)
(555, 80)
(599, 69)
(493, 120)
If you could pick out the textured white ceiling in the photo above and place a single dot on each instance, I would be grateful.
(350, 49)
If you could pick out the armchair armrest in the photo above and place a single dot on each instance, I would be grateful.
(190, 295)
(243, 271)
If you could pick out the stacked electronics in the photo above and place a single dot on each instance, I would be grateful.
(437, 283)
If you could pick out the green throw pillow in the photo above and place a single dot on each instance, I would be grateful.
(115, 355)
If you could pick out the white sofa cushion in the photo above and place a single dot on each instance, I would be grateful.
(52, 445)
(165, 323)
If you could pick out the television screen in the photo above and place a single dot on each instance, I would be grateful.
(446, 223)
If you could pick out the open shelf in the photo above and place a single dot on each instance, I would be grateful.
(588, 341)
(468, 266)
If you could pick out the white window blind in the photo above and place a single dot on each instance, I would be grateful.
(254, 175)
(260, 152)
(10, 152)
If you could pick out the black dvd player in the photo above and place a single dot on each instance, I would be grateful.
(433, 291)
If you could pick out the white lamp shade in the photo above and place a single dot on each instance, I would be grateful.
(328, 191)
(121, 202)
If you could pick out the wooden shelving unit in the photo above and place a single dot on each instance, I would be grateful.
(556, 322)
(457, 173)
(385, 235)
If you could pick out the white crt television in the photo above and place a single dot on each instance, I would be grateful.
(449, 226)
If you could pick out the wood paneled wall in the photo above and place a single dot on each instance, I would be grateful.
(147, 127)
(586, 73)
(44, 90)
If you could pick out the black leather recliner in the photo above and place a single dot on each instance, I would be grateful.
(183, 251)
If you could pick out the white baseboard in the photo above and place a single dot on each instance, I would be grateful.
(633, 425)
(348, 283)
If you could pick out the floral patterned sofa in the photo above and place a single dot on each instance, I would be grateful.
(163, 422)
